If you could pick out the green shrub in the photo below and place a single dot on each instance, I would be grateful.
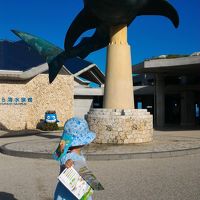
(48, 126)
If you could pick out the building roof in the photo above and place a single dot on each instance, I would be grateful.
(182, 65)
(18, 61)
(17, 56)
(86, 70)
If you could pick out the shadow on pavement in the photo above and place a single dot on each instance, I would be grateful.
(48, 136)
(21, 133)
(7, 196)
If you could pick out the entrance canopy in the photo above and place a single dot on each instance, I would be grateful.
(181, 66)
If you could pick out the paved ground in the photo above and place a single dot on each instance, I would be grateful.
(171, 178)
(142, 179)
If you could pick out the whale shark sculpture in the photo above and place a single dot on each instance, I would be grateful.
(100, 15)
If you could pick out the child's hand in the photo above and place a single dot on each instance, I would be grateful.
(69, 163)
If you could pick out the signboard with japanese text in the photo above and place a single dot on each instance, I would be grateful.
(15, 100)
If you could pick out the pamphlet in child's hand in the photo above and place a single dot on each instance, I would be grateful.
(71, 179)
(87, 175)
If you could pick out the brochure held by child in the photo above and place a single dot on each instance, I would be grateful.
(71, 179)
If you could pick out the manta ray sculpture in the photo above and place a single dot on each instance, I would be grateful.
(100, 15)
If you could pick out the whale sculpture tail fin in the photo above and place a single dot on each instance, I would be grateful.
(53, 55)
(161, 7)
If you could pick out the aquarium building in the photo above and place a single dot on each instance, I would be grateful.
(25, 92)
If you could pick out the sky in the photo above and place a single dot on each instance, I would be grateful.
(149, 36)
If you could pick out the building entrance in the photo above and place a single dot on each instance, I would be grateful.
(172, 109)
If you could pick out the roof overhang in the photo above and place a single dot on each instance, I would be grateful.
(143, 90)
(23, 75)
(184, 65)
(78, 91)
(92, 73)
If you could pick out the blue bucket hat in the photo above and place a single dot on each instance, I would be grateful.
(79, 130)
(76, 133)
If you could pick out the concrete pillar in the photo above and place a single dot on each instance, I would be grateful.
(160, 101)
(187, 108)
(119, 84)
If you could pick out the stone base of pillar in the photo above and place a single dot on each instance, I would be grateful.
(121, 126)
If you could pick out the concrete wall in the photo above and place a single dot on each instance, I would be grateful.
(57, 96)
(82, 105)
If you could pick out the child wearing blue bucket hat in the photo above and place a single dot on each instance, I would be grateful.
(76, 134)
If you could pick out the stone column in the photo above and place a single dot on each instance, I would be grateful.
(187, 108)
(118, 122)
(160, 101)
(119, 84)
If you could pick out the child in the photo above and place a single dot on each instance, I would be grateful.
(76, 135)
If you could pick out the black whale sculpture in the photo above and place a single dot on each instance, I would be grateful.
(100, 15)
